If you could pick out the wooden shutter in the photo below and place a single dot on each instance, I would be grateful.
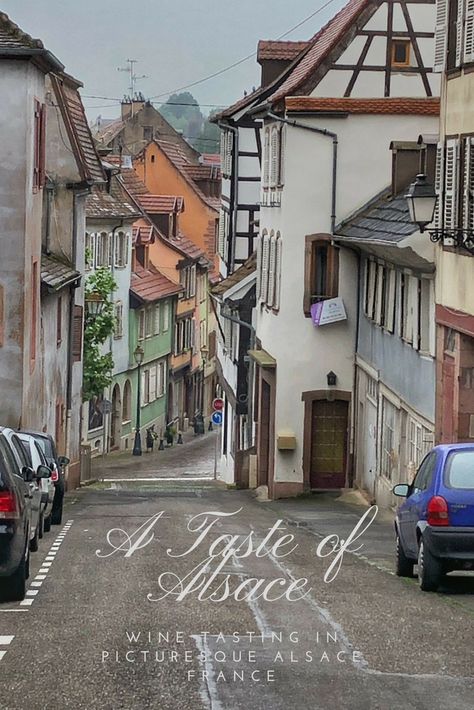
(77, 329)
(37, 145)
(460, 33)
(274, 156)
(266, 159)
(468, 31)
(259, 266)
(281, 157)
(42, 147)
(468, 184)
(451, 175)
(223, 139)
(439, 186)
(212, 344)
(271, 272)
(441, 35)
(265, 265)
(389, 319)
(276, 299)
(110, 248)
(153, 383)
(221, 245)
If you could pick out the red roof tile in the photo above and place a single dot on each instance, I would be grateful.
(320, 46)
(181, 163)
(392, 105)
(186, 246)
(142, 233)
(278, 50)
(239, 105)
(151, 285)
(203, 172)
(74, 117)
(131, 182)
(160, 204)
(210, 159)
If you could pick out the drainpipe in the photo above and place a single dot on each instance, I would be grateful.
(49, 199)
(322, 132)
(108, 418)
(234, 193)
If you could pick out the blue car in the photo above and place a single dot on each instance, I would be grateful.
(435, 524)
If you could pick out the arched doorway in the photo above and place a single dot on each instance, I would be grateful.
(116, 428)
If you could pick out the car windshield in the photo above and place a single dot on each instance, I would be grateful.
(460, 470)
(45, 446)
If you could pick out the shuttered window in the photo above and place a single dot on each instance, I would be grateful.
(451, 180)
(441, 28)
(222, 234)
(439, 186)
(39, 147)
(153, 383)
(468, 30)
(321, 272)
(265, 267)
(121, 249)
(276, 300)
(274, 156)
(468, 184)
(77, 329)
(281, 157)
(266, 159)
(459, 53)
(271, 271)
(259, 266)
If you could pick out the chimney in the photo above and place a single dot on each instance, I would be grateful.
(275, 56)
(131, 106)
(407, 158)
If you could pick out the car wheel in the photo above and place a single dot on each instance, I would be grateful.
(57, 516)
(41, 527)
(404, 566)
(13, 588)
(47, 523)
(34, 542)
(430, 569)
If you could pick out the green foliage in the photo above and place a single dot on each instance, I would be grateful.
(97, 371)
(183, 112)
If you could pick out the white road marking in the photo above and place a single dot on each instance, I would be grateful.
(50, 558)
(27, 602)
(2, 653)
(32, 592)
(43, 570)
(7, 611)
(6, 640)
(40, 576)
(47, 564)
(34, 583)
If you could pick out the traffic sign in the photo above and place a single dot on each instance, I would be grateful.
(217, 418)
(218, 404)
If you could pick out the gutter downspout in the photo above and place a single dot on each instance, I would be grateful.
(322, 132)
(49, 199)
(234, 193)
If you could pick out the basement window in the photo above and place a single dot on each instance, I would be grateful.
(400, 53)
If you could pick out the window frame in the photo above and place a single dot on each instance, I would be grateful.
(312, 244)
(407, 44)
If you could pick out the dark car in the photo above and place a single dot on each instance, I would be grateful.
(57, 465)
(15, 523)
(435, 524)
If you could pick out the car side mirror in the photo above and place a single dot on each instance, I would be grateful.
(28, 474)
(63, 460)
(402, 490)
(43, 472)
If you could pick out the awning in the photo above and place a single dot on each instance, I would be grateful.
(263, 358)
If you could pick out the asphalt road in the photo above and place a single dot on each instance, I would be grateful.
(367, 640)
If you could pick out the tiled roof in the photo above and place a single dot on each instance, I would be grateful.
(103, 204)
(247, 268)
(160, 204)
(203, 172)
(110, 130)
(132, 183)
(174, 153)
(389, 105)
(186, 246)
(72, 110)
(278, 50)
(383, 219)
(150, 285)
(181, 163)
(56, 274)
(12, 36)
(320, 46)
(210, 159)
(239, 105)
(142, 232)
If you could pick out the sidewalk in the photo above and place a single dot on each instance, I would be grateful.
(193, 458)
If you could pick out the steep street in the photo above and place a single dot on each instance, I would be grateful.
(366, 640)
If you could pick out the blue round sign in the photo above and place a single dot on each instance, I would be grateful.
(217, 417)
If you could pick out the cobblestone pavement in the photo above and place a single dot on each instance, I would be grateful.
(194, 458)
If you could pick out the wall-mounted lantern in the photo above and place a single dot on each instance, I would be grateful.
(331, 378)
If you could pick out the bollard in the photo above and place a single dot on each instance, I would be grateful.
(209, 428)
(180, 438)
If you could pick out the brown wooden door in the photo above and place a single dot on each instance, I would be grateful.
(264, 448)
(447, 421)
(329, 443)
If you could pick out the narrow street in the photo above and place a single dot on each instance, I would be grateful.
(366, 640)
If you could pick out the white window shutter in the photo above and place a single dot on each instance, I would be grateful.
(460, 33)
(441, 35)
(451, 184)
(153, 393)
(259, 265)
(266, 158)
(221, 245)
(271, 272)
(274, 157)
(468, 195)
(143, 391)
(468, 31)
(265, 266)
(276, 299)
(281, 162)
(439, 186)
(223, 142)
(110, 249)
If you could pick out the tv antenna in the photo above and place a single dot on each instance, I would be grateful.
(130, 69)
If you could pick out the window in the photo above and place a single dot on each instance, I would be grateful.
(420, 440)
(371, 390)
(166, 315)
(400, 53)
(459, 470)
(102, 250)
(389, 454)
(89, 251)
(423, 478)
(156, 319)
(39, 148)
(77, 332)
(127, 402)
(226, 152)
(141, 255)
(141, 324)
(118, 320)
(153, 375)
(188, 280)
(145, 385)
(121, 249)
(424, 320)
(161, 385)
(184, 335)
(59, 321)
(149, 322)
(454, 36)
(321, 272)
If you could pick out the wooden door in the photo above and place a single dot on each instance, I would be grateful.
(328, 443)
(447, 419)
(264, 443)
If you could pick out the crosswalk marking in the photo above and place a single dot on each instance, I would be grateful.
(6, 640)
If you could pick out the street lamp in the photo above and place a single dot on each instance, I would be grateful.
(422, 200)
(138, 355)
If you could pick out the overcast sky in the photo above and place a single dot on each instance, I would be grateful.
(176, 42)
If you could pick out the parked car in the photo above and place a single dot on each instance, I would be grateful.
(37, 458)
(435, 524)
(25, 470)
(57, 465)
(15, 517)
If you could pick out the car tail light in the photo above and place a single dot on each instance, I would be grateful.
(8, 506)
(54, 475)
(438, 511)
